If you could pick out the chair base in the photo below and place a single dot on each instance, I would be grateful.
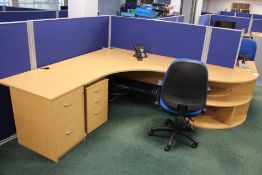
(179, 127)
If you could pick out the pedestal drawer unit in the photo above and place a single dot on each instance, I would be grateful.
(96, 104)
(49, 127)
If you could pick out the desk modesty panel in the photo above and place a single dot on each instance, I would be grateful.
(62, 92)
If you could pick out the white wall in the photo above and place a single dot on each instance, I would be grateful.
(198, 10)
(219, 5)
(82, 8)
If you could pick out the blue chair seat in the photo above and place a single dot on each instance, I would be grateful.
(173, 111)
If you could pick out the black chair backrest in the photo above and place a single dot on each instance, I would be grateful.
(185, 84)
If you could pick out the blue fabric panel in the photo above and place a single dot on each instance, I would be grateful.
(256, 25)
(181, 18)
(248, 47)
(1, 8)
(244, 15)
(24, 16)
(14, 55)
(63, 13)
(240, 22)
(227, 13)
(58, 40)
(162, 38)
(172, 19)
(204, 20)
(255, 16)
(223, 47)
(14, 59)
(7, 125)
(8, 8)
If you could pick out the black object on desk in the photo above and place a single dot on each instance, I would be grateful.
(140, 52)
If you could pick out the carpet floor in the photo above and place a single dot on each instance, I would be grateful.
(122, 146)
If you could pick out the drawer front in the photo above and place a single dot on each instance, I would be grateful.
(68, 107)
(96, 117)
(69, 135)
(96, 105)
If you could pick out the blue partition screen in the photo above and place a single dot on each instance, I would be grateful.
(256, 25)
(63, 14)
(241, 23)
(172, 19)
(223, 47)
(24, 16)
(14, 55)
(204, 20)
(244, 15)
(227, 13)
(14, 59)
(1, 8)
(181, 18)
(8, 8)
(163, 38)
(256, 16)
(58, 40)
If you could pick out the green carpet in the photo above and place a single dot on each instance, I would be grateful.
(122, 147)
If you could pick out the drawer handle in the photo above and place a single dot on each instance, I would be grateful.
(97, 101)
(97, 113)
(67, 104)
(97, 90)
(69, 132)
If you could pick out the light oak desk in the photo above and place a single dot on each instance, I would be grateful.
(55, 107)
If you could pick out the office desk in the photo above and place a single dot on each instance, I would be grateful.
(41, 97)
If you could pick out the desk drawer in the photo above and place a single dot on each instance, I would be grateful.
(69, 135)
(68, 107)
(96, 105)
(96, 117)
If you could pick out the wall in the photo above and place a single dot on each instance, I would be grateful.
(219, 5)
(107, 7)
(82, 8)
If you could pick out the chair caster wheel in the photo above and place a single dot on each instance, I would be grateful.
(156, 103)
(150, 133)
(167, 148)
(194, 145)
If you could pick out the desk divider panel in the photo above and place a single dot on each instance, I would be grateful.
(63, 13)
(8, 8)
(204, 20)
(171, 19)
(256, 25)
(240, 22)
(159, 37)
(58, 40)
(14, 59)
(256, 16)
(1, 8)
(227, 13)
(26, 15)
(244, 15)
(224, 47)
(181, 18)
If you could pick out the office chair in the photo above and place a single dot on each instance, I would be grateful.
(248, 48)
(183, 94)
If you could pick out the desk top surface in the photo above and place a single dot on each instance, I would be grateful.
(70, 74)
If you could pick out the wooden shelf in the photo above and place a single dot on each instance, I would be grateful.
(228, 101)
(212, 122)
(219, 92)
